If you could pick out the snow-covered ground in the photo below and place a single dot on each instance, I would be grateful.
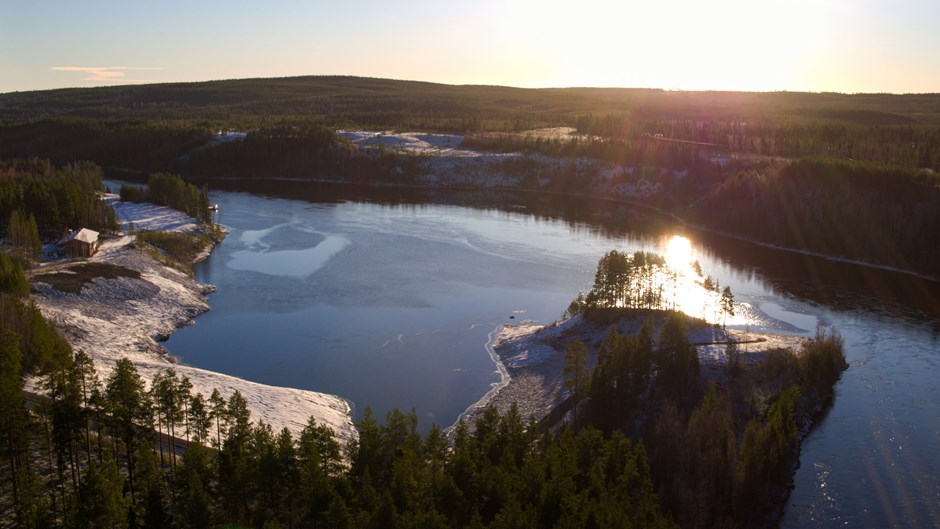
(146, 216)
(410, 142)
(123, 317)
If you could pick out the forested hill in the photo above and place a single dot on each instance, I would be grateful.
(872, 214)
(366, 101)
(150, 127)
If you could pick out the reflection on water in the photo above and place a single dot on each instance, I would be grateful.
(688, 288)
(701, 295)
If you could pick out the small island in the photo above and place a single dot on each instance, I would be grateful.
(722, 413)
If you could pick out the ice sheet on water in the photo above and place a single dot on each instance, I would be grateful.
(791, 321)
(295, 263)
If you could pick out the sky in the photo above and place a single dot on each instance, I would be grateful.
(846, 46)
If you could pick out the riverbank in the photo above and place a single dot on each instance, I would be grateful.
(124, 301)
(532, 358)
(445, 164)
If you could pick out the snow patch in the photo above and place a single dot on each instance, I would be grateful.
(150, 217)
(412, 142)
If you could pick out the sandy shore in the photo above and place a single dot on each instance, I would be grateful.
(124, 317)
(533, 358)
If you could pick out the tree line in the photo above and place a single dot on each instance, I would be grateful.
(858, 211)
(39, 200)
(302, 149)
(153, 128)
(643, 280)
(866, 135)
(101, 454)
(172, 191)
(724, 140)
(144, 145)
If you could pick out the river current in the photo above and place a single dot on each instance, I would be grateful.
(388, 301)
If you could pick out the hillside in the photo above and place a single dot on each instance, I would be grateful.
(384, 102)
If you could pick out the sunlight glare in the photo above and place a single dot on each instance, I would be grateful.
(679, 255)
(689, 294)
(721, 45)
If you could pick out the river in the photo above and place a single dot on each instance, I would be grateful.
(388, 299)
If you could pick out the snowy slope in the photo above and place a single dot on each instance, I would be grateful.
(115, 318)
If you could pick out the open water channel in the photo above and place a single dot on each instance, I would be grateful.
(388, 301)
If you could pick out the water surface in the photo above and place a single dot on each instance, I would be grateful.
(388, 306)
(389, 302)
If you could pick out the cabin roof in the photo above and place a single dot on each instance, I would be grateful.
(84, 235)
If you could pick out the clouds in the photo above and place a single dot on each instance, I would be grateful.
(107, 74)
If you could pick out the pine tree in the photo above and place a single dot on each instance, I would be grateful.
(677, 360)
(193, 499)
(167, 402)
(235, 461)
(184, 395)
(576, 371)
(101, 502)
(288, 481)
(198, 418)
(218, 413)
(128, 407)
(733, 355)
(727, 305)
(32, 508)
(149, 507)
(89, 382)
(66, 415)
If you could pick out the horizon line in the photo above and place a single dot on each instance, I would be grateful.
(118, 82)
